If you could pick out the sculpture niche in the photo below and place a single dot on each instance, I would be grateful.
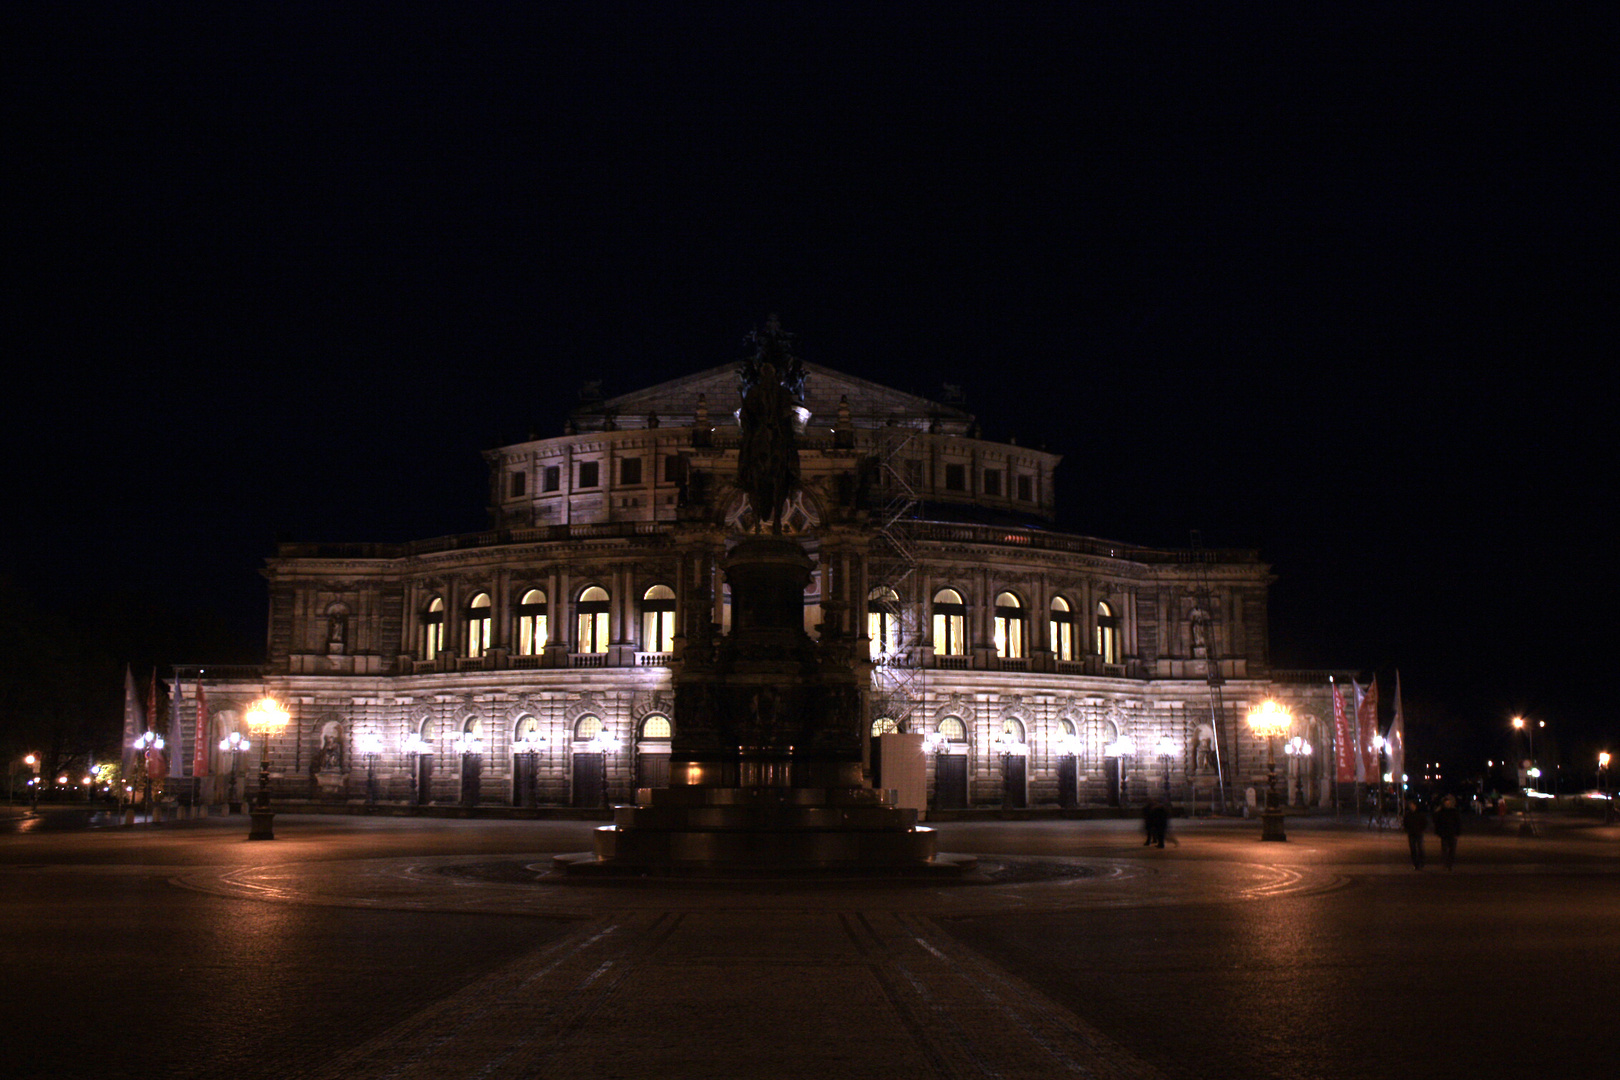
(765, 755)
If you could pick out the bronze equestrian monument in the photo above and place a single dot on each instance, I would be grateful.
(765, 759)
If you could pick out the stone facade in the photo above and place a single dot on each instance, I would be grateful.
(1025, 652)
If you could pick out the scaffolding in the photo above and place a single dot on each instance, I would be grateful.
(897, 674)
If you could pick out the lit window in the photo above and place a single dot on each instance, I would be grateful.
(1014, 729)
(532, 631)
(587, 728)
(950, 623)
(433, 629)
(1107, 633)
(658, 620)
(885, 725)
(883, 620)
(589, 473)
(478, 625)
(1062, 625)
(655, 727)
(1009, 626)
(952, 730)
(593, 620)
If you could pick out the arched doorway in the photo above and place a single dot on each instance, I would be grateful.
(589, 764)
(470, 746)
(652, 752)
(950, 766)
(526, 749)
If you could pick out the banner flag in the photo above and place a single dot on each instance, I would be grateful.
(1366, 730)
(199, 753)
(134, 721)
(157, 769)
(1344, 768)
(1397, 740)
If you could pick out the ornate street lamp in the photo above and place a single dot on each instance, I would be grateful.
(413, 748)
(1270, 720)
(1008, 746)
(1166, 749)
(1122, 748)
(370, 744)
(1299, 749)
(265, 718)
(530, 744)
(148, 743)
(32, 761)
(236, 744)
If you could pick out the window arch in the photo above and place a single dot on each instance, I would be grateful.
(950, 623)
(526, 730)
(1009, 626)
(429, 730)
(587, 728)
(532, 629)
(1062, 626)
(1107, 633)
(1014, 728)
(655, 726)
(883, 621)
(885, 725)
(478, 625)
(658, 619)
(952, 729)
(593, 620)
(433, 628)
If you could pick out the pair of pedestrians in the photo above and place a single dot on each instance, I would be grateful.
(1447, 825)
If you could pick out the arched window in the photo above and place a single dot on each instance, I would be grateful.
(655, 727)
(430, 730)
(1013, 729)
(883, 621)
(952, 729)
(433, 629)
(885, 725)
(1107, 633)
(526, 731)
(587, 728)
(1009, 626)
(658, 619)
(593, 620)
(1062, 629)
(950, 623)
(478, 625)
(532, 631)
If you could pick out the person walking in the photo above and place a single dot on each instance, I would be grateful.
(1448, 825)
(1416, 822)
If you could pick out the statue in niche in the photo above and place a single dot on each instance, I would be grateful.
(1199, 622)
(768, 461)
(328, 756)
(1204, 749)
(337, 631)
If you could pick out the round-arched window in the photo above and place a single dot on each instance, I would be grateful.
(952, 729)
(655, 727)
(587, 728)
(950, 623)
(885, 725)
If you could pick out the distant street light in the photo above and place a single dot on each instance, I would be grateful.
(1270, 720)
(1299, 750)
(32, 761)
(265, 718)
(150, 744)
(236, 744)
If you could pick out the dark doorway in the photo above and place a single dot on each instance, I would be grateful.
(1068, 782)
(652, 768)
(590, 783)
(950, 781)
(1111, 772)
(1016, 793)
(472, 770)
(524, 780)
(424, 779)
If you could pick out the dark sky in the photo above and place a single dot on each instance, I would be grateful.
(1330, 281)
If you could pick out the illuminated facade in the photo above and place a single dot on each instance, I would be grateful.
(531, 664)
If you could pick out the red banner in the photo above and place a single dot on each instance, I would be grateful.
(1344, 744)
(1367, 731)
(199, 755)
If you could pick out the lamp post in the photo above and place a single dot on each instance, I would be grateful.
(529, 745)
(148, 743)
(1270, 720)
(1298, 750)
(469, 746)
(1122, 748)
(32, 761)
(236, 744)
(1166, 749)
(265, 718)
(414, 747)
(370, 744)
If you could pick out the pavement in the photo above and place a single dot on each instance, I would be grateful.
(371, 947)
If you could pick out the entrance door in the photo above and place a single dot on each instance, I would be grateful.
(472, 769)
(1111, 773)
(652, 767)
(424, 779)
(524, 780)
(590, 786)
(1068, 782)
(1017, 792)
(950, 781)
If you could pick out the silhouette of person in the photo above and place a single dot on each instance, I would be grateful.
(1416, 822)
(1448, 825)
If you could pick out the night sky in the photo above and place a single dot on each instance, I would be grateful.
(1326, 281)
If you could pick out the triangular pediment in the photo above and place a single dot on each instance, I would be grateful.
(871, 404)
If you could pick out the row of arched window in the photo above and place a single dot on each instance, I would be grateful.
(1010, 630)
(533, 627)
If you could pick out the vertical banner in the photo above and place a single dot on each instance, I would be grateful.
(1367, 731)
(134, 721)
(177, 728)
(1344, 765)
(1397, 740)
(199, 753)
